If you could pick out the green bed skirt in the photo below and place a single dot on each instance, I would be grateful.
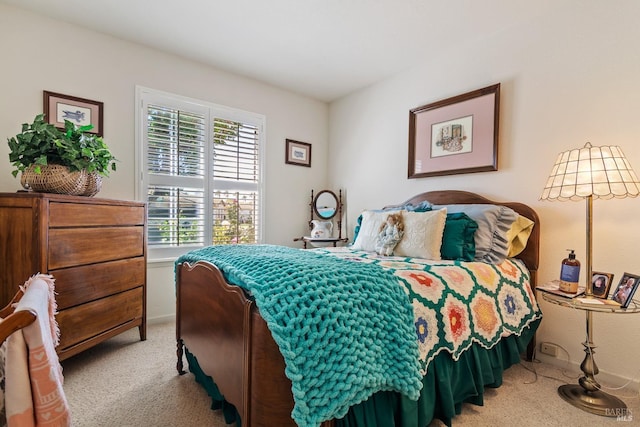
(446, 386)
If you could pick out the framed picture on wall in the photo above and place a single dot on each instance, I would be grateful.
(298, 153)
(79, 111)
(455, 135)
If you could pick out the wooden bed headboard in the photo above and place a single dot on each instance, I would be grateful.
(530, 255)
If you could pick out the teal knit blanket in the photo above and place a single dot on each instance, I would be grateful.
(346, 330)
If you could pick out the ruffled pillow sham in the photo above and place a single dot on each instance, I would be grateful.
(494, 222)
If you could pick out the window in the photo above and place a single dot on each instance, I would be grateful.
(200, 173)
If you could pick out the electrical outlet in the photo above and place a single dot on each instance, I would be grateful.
(548, 348)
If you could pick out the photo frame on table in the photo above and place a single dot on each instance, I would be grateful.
(297, 153)
(623, 294)
(601, 284)
(455, 135)
(79, 111)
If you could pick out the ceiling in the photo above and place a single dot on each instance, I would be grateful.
(324, 49)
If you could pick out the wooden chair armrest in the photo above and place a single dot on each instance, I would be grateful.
(16, 321)
(8, 309)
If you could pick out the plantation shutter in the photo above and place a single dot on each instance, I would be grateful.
(200, 174)
(176, 142)
(236, 179)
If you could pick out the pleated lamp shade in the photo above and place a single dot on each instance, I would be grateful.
(598, 172)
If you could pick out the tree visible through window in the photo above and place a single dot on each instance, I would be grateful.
(201, 174)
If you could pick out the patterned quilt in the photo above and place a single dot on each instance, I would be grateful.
(458, 303)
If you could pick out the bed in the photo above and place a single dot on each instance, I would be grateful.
(228, 330)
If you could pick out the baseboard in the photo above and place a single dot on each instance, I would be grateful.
(607, 379)
(161, 319)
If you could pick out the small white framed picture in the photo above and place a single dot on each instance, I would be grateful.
(298, 153)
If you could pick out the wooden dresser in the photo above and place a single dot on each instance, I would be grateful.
(96, 251)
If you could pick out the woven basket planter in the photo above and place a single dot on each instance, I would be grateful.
(93, 184)
(58, 179)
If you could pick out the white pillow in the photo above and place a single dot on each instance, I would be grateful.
(422, 234)
(369, 229)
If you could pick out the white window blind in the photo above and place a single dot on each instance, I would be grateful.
(236, 172)
(201, 174)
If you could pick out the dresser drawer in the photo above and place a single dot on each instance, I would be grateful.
(80, 246)
(81, 215)
(85, 321)
(77, 285)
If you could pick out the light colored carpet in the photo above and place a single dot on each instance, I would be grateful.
(127, 382)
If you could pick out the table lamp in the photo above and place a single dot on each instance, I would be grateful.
(587, 173)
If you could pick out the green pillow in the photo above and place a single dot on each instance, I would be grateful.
(458, 241)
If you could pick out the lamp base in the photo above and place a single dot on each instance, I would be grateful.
(595, 402)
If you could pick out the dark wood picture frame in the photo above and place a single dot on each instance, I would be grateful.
(79, 111)
(455, 135)
(297, 153)
(601, 284)
(623, 294)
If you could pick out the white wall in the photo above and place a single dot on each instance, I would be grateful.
(41, 54)
(570, 78)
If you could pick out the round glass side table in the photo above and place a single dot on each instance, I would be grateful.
(587, 394)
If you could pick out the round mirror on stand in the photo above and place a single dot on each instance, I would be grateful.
(326, 204)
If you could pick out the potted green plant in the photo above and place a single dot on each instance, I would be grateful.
(69, 161)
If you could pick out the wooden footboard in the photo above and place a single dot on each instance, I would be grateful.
(224, 330)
